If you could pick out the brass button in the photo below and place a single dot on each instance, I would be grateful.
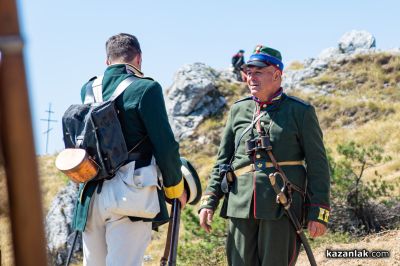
(258, 156)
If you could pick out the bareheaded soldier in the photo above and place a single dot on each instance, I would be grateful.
(268, 126)
(111, 237)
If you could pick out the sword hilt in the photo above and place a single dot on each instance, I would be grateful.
(280, 194)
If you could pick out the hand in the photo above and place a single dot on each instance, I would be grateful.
(206, 217)
(316, 229)
(183, 199)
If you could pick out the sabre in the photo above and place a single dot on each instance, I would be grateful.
(281, 198)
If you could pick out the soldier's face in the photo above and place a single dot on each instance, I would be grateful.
(261, 81)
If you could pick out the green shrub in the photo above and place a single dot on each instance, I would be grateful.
(197, 246)
(361, 207)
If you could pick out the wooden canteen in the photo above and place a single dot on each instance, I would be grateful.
(77, 165)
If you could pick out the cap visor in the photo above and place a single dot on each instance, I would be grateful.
(256, 63)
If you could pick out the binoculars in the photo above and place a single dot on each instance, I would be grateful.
(259, 143)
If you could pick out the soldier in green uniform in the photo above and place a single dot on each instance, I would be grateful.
(110, 238)
(259, 231)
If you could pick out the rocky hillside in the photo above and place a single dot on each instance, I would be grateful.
(355, 88)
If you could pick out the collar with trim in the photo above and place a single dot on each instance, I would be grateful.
(273, 99)
(134, 70)
(124, 69)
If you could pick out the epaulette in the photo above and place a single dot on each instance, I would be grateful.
(294, 98)
(93, 78)
(244, 99)
(147, 78)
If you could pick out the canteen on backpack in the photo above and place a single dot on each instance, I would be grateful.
(77, 165)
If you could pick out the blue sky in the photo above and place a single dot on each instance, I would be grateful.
(64, 40)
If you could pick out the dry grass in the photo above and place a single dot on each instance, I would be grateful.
(50, 180)
(5, 227)
(383, 133)
(388, 241)
(361, 105)
(295, 65)
(365, 76)
(3, 193)
(156, 248)
(5, 241)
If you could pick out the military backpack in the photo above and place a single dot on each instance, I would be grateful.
(94, 127)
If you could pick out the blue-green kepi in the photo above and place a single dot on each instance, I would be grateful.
(264, 56)
(192, 182)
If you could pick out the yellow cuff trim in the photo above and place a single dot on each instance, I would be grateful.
(174, 192)
(323, 215)
(204, 200)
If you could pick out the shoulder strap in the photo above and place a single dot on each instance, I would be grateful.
(122, 86)
(244, 132)
(244, 99)
(94, 92)
(98, 89)
(91, 95)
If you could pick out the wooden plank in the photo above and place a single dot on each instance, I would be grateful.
(17, 144)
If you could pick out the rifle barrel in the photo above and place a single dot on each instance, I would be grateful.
(176, 213)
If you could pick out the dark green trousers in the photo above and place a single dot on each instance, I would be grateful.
(256, 242)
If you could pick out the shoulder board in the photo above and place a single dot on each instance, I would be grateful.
(146, 78)
(296, 99)
(93, 78)
(244, 99)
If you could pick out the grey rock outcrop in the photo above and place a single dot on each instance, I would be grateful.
(354, 41)
(193, 97)
(350, 44)
(58, 226)
(227, 75)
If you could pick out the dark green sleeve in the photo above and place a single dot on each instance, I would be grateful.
(318, 177)
(165, 148)
(213, 192)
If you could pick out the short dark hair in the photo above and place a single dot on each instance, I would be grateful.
(122, 46)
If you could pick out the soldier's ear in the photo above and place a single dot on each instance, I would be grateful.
(138, 61)
(277, 75)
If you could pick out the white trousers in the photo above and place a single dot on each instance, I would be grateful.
(113, 240)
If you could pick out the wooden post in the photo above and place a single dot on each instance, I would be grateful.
(17, 144)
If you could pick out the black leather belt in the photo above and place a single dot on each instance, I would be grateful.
(140, 159)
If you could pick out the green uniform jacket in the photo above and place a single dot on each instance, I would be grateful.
(142, 112)
(295, 136)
